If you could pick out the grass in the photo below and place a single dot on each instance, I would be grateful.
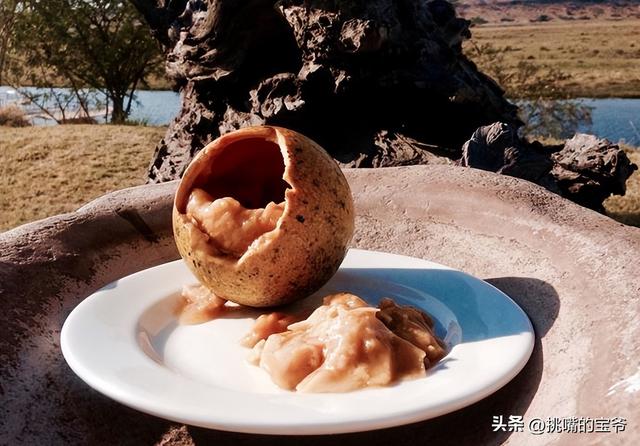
(601, 56)
(49, 170)
(13, 116)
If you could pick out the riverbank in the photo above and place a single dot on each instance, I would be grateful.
(602, 57)
(49, 170)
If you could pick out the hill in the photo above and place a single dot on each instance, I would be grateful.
(532, 11)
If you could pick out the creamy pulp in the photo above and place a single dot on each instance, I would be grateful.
(230, 227)
(199, 305)
(346, 345)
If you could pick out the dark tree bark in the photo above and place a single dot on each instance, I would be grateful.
(588, 170)
(118, 115)
(364, 78)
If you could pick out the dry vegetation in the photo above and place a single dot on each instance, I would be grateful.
(49, 170)
(626, 209)
(13, 116)
(601, 56)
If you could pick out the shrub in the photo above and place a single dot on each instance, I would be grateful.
(144, 122)
(541, 18)
(478, 21)
(13, 116)
(544, 104)
(79, 120)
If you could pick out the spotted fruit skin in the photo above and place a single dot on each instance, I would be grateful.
(312, 235)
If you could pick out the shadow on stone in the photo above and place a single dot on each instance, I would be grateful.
(87, 417)
(536, 297)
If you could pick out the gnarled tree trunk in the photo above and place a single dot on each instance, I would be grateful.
(358, 76)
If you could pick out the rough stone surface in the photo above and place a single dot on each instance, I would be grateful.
(498, 148)
(571, 269)
(588, 170)
(585, 169)
(353, 75)
(398, 150)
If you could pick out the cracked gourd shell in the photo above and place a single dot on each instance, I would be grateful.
(311, 237)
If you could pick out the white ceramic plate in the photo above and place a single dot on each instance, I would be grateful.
(124, 342)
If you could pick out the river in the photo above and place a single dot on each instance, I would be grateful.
(617, 119)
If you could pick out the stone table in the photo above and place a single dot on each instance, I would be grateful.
(575, 272)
